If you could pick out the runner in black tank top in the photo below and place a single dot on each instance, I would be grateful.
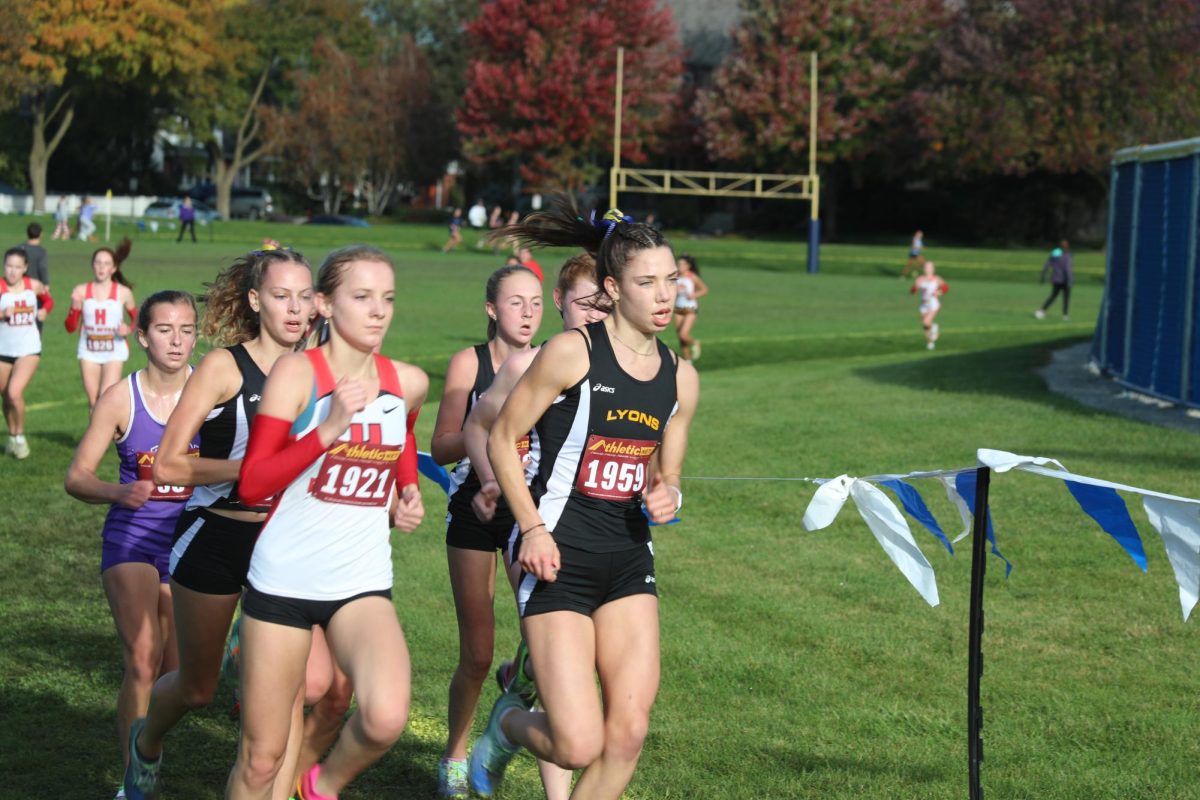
(260, 307)
(611, 412)
(513, 302)
(574, 295)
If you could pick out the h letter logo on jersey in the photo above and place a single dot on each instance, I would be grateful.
(633, 415)
(101, 316)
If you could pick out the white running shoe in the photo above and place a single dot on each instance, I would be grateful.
(20, 449)
(1039, 314)
(929, 345)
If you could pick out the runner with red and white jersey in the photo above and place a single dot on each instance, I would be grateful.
(333, 444)
(20, 342)
(611, 407)
(136, 539)
(930, 286)
(100, 305)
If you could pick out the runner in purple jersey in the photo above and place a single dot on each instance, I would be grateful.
(140, 523)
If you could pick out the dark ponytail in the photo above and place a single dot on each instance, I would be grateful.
(118, 256)
(612, 239)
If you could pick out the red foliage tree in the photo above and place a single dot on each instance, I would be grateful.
(1034, 85)
(542, 85)
(756, 108)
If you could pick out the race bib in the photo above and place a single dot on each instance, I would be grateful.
(101, 343)
(523, 449)
(22, 314)
(613, 468)
(145, 472)
(357, 474)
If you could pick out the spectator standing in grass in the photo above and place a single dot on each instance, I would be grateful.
(916, 254)
(1061, 268)
(62, 220)
(187, 220)
(38, 260)
(87, 210)
(136, 538)
(455, 231)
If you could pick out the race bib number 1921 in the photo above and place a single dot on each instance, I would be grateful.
(357, 474)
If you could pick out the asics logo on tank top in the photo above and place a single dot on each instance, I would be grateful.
(600, 387)
(254, 398)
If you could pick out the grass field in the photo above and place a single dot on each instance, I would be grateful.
(795, 665)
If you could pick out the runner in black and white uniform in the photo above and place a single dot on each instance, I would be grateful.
(260, 307)
(513, 303)
(333, 445)
(610, 408)
(575, 295)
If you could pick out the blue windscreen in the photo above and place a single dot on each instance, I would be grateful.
(1167, 378)
(1148, 275)
(1117, 289)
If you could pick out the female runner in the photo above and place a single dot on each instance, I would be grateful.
(690, 289)
(20, 342)
(98, 304)
(333, 442)
(260, 306)
(513, 303)
(610, 409)
(141, 517)
(575, 297)
(931, 287)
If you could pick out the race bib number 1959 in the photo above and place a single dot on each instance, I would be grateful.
(357, 474)
(614, 468)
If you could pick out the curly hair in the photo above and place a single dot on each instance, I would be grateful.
(228, 317)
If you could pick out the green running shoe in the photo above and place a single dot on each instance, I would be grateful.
(489, 757)
(512, 676)
(452, 779)
(141, 776)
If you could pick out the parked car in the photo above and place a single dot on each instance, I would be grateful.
(338, 219)
(251, 202)
(169, 209)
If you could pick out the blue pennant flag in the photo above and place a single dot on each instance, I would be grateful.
(964, 484)
(433, 470)
(1108, 509)
(914, 506)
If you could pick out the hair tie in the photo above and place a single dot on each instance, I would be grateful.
(609, 221)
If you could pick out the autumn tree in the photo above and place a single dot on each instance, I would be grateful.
(541, 87)
(1038, 86)
(354, 123)
(51, 49)
(756, 108)
(259, 44)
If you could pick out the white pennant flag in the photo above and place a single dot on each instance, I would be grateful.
(827, 502)
(892, 532)
(964, 510)
(1178, 524)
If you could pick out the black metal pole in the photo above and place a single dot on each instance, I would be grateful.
(975, 647)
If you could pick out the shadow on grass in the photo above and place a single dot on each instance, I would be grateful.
(806, 762)
(999, 372)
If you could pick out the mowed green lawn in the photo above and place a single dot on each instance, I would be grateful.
(795, 664)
